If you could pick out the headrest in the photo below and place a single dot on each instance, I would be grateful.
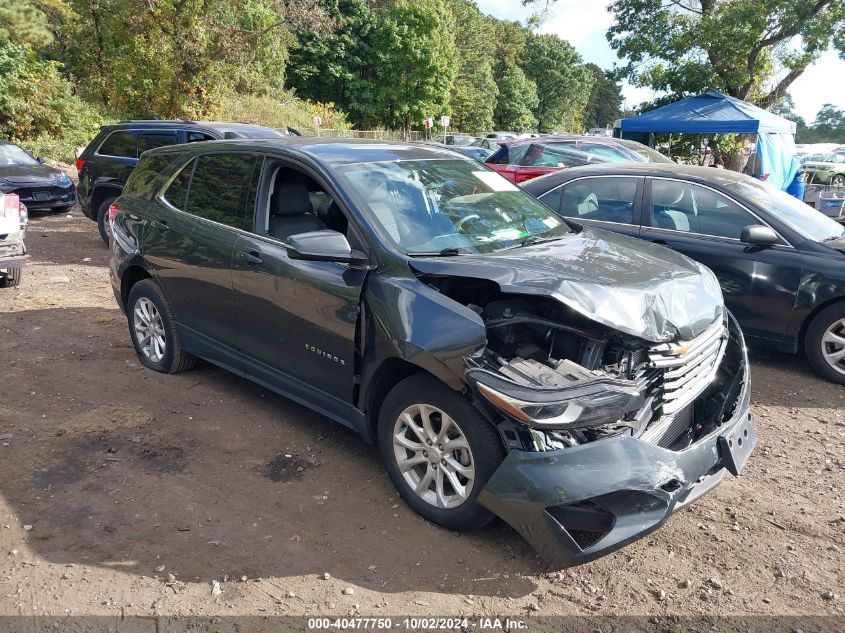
(290, 198)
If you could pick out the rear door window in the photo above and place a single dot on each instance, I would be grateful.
(194, 137)
(177, 192)
(607, 199)
(222, 187)
(610, 154)
(151, 140)
(121, 143)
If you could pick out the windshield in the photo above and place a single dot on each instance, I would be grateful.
(835, 157)
(800, 217)
(14, 155)
(650, 155)
(437, 205)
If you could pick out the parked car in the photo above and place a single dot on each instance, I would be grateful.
(479, 154)
(505, 363)
(526, 159)
(107, 161)
(781, 263)
(38, 186)
(829, 170)
(523, 160)
(13, 223)
(487, 143)
(460, 140)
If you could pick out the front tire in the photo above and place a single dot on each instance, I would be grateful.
(838, 180)
(824, 343)
(12, 278)
(152, 328)
(103, 219)
(439, 451)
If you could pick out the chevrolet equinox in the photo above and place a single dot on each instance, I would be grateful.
(579, 384)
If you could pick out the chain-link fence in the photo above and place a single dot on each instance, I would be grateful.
(380, 135)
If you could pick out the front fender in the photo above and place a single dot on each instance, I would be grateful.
(404, 318)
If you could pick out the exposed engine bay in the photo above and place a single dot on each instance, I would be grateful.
(562, 380)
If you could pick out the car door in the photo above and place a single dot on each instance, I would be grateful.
(297, 319)
(605, 202)
(760, 284)
(189, 240)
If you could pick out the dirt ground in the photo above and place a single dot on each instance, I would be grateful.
(123, 491)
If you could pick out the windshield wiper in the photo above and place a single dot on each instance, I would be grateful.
(833, 238)
(446, 252)
(535, 239)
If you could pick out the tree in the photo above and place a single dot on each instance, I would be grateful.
(474, 90)
(605, 103)
(516, 103)
(21, 22)
(563, 82)
(749, 49)
(175, 58)
(411, 65)
(327, 66)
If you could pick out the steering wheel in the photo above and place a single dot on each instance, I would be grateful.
(462, 221)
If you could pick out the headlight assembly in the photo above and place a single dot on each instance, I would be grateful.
(64, 180)
(597, 403)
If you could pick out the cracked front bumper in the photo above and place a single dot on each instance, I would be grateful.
(577, 504)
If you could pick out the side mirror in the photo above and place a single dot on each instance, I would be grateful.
(759, 235)
(323, 246)
(40, 160)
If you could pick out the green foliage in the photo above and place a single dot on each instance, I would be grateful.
(37, 106)
(412, 63)
(21, 22)
(750, 49)
(474, 90)
(517, 102)
(175, 58)
(563, 82)
(605, 103)
(281, 111)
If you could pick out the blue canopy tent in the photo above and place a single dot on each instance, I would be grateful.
(715, 113)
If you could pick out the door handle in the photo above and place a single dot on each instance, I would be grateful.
(163, 225)
(253, 258)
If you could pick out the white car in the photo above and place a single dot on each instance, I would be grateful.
(13, 222)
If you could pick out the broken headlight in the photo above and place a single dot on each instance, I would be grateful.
(593, 402)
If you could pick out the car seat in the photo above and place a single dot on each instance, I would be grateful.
(291, 211)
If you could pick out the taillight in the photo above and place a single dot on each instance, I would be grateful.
(23, 212)
(11, 205)
(80, 163)
(114, 209)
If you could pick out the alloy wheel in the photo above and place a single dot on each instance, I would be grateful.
(833, 346)
(149, 330)
(433, 456)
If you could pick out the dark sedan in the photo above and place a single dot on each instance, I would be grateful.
(38, 186)
(780, 263)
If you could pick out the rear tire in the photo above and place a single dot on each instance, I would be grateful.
(399, 437)
(152, 329)
(103, 219)
(12, 278)
(824, 343)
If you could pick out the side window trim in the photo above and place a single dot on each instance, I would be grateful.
(648, 209)
(160, 196)
(636, 211)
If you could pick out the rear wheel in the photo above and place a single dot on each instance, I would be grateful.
(11, 278)
(153, 330)
(439, 451)
(103, 219)
(824, 343)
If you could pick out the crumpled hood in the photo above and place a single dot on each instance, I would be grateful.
(28, 174)
(627, 284)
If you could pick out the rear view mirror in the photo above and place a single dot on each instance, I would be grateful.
(323, 246)
(759, 235)
(40, 160)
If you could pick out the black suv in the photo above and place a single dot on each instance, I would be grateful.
(107, 161)
(580, 384)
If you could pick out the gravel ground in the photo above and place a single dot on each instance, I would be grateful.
(126, 492)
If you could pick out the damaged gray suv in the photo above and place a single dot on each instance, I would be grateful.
(578, 384)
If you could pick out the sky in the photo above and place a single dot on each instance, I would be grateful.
(584, 24)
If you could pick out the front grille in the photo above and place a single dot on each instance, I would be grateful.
(687, 368)
(27, 194)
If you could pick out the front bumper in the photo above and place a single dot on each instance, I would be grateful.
(576, 504)
(46, 198)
